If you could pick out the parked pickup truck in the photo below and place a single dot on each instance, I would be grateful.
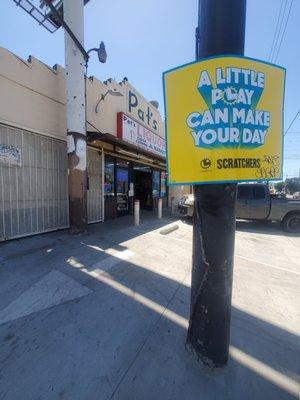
(254, 202)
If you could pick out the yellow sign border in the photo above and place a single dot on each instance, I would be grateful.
(211, 181)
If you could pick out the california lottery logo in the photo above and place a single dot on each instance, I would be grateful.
(230, 95)
(205, 164)
(231, 119)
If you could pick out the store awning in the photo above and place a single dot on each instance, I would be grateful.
(120, 144)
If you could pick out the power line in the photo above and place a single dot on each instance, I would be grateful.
(283, 33)
(275, 37)
(292, 122)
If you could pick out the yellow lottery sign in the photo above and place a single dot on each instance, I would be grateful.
(224, 121)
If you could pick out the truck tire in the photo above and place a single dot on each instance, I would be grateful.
(291, 223)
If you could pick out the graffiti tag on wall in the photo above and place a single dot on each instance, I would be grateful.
(10, 155)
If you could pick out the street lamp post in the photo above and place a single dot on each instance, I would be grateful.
(221, 30)
(76, 117)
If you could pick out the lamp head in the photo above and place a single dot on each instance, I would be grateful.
(102, 55)
(114, 92)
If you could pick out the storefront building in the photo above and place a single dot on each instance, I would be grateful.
(126, 149)
(125, 181)
(134, 167)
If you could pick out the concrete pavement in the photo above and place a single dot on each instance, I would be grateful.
(104, 316)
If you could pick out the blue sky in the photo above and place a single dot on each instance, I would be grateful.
(145, 38)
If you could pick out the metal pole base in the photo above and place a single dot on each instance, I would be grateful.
(136, 213)
(213, 249)
(77, 197)
(159, 208)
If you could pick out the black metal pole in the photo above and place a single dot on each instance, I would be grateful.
(221, 30)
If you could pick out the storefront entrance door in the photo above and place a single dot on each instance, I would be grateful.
(122, 190)
(143, 187)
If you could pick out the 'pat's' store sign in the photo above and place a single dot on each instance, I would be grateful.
(143, 112)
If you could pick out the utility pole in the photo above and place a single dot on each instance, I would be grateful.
(76, 118)
(221, 30)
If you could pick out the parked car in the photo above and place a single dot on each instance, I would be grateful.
(254, 202)
(296, 196)
(279, 195)
(186, 205)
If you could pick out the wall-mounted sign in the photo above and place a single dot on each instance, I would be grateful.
(142, 111)
(155, 183)
(131, 190)
(224, 120)
(163, 188)
(132, 132)
(10, 155)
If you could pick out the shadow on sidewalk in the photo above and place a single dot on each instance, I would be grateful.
(126, 339)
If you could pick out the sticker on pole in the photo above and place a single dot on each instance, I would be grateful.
(224, 121)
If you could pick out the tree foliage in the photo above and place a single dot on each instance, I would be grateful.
(293, 185)
(279, 186)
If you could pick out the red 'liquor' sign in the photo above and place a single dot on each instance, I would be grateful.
(133, 132)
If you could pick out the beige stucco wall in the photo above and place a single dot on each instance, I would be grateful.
(33, 97)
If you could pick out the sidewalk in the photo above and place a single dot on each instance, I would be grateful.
(104, 316)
